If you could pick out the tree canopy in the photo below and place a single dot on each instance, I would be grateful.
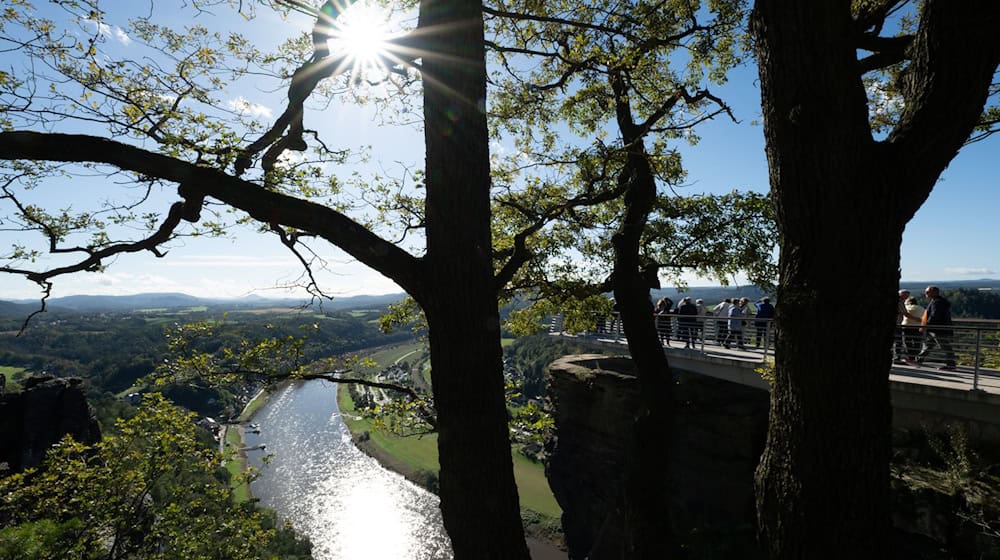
(148, 491)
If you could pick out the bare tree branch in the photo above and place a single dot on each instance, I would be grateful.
(266, 206)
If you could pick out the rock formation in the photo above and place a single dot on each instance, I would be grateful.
(720, 431)
(32, 420)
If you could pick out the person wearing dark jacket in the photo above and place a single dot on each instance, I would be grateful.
(662, 311)
(937, 326)
(760, 328)
(687, 322)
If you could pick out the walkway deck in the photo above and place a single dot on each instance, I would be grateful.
(920, 388)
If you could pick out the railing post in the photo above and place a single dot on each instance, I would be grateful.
(978, 357)
(767, 339)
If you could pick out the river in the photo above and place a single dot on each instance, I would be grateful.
(343, 500)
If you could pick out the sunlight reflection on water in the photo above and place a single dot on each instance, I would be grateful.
(349, 506)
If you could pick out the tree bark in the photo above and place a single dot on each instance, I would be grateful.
(479, 499)
(842, 200)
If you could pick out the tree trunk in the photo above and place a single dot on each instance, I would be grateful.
(479, 500)
(842, 201)
(823, 480)
(646, 499)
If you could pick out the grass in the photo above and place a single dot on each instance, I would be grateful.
(255, 403)
(415, 453)
(236, 464)
(357, 313)
(388, 356)
(426, 373)
(505, 342)
(9, 372)
(421, 454)
(533, 487)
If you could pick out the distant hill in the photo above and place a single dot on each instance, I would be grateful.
(361, 302)
(980, 284)
(92, 303)
(17, 308)
(715, 294)
(712, 294)
(127, 302)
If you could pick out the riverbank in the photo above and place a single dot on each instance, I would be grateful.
(415, 458)
(232, 437)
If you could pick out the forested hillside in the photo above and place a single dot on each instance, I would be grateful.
(112, 350)
(970, 303)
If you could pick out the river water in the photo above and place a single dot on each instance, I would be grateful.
(343, 500)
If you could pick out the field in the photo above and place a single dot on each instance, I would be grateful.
(236, 464)
(393, 354)
(420, 454)
(9, 372)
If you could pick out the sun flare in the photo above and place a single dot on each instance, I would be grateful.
(362, 33)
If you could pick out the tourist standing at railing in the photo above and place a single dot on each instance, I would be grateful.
(937, 325)
(721, 327)
(662, 312)
(735, 333)
(688, 317)
(912, 336)
(699, 329)
(764, 311)
(899, 352)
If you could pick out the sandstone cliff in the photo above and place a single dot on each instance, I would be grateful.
(39, 416)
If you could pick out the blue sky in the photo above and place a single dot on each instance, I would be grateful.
(953, 237)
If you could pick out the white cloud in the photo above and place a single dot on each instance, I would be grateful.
(108, 31)
(241, 105)
(122, 37)
(969, 271)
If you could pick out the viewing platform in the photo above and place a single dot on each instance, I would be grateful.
(970, 392)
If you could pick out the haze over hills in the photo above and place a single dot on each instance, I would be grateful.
(88, 303)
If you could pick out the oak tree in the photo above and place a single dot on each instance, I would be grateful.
(595, 97)
(843, 192)
(74, 105)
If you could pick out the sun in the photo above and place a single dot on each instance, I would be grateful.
(361, 34)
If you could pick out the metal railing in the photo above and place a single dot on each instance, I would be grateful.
(756, 335)
(974, 343)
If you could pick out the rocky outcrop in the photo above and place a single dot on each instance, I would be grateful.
(39, 416)
(591, 398)
(720, 432)
(946, 497)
